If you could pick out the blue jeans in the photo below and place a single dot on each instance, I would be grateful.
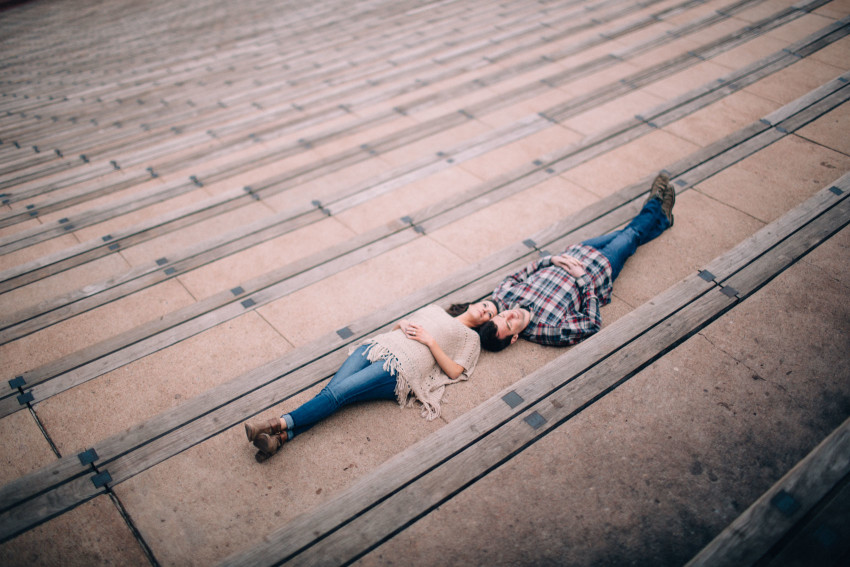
(618, 246)
(356, 380)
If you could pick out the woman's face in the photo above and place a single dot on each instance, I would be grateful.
(482, 312)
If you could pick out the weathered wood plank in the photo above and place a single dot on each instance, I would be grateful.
(90, 370)
(725, 266)
(764, 523)
(752, 278)
(48, 505)
(50, 312)
(379, 512)
(489, 105)
(822, 538)
(436, 468)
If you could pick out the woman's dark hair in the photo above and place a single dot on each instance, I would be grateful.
(489, 334)
(456, 309)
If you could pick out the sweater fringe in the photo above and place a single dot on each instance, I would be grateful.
(403, 389)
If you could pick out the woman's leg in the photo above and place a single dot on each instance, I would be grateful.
(357, 380)
(620, 245)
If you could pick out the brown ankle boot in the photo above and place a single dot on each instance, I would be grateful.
(659, 185)
(270, 427)
(268, 444)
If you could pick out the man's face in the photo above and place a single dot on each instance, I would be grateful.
(511, 323)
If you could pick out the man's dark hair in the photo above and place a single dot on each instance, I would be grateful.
(490, 340)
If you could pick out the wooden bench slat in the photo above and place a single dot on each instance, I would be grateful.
(763, 524)
(822, 539)
(405, 488)
(516, 95)
(46, 506)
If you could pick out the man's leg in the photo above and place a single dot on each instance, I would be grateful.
(648, 224)
(601, 242)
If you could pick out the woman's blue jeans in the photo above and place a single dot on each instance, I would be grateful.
(356, 380)
(618, 246)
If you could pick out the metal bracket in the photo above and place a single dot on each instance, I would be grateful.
(237, 290)
(101, 479)
(512, 399)
(836, 190)
(24, 398)
(318, 205)
(706, 275)
(416, 227)
(88, 456)
(729, 291)
(785, 503)
(535, 420)
(17, 382)
(250, 191)
(649, 123)
(345, 332)
(248, 303)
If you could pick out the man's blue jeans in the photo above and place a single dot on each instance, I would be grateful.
(618, 246)
(356, 380)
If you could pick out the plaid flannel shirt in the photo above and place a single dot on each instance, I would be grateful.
(564, 310)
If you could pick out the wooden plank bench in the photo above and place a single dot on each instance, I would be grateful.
(204, 416)
(338, 40)
(684, 105)
(89, 363)
(429, 220)
(435, 469)
(57, 229)
(519, 94)
(312, 54)
(801, 520)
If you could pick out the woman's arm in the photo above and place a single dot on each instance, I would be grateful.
(452, 369)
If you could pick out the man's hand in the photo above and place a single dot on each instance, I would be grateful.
(570, 264)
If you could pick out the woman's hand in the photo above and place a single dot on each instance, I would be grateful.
(417, 333)
(572, 265)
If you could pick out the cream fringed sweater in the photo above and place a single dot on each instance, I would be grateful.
(417, 369)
